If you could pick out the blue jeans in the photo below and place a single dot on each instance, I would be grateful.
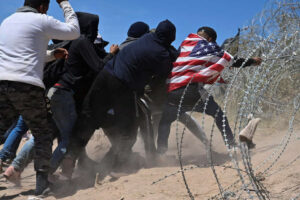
(13, 140)
(64, 114)
(25, 156)
(4, 137)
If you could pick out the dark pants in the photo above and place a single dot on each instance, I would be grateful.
(64, 115)
(27, 100)
(191, 97)
(107, 94)
(144, 122)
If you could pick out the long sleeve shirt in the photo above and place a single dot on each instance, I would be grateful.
(24, 37)
(82, 60)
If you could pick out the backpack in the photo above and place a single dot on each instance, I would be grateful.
(53, 70)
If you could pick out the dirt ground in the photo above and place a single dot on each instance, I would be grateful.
(281, 183)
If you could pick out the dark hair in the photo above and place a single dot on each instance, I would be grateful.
(209, 31)
(36, 3)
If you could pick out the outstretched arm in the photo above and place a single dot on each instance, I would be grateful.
(252, 61)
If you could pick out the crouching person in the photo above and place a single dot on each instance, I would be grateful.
(116, 88)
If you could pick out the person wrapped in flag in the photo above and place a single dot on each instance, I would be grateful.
(200, 62)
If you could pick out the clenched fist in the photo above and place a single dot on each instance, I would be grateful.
(114, 49)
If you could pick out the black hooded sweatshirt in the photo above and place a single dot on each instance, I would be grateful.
(150, 55)
(84, 62)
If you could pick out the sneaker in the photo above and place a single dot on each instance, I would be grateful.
(13, 175)
(46, 193)
(42, 184)
(34, 198)
(247, 134)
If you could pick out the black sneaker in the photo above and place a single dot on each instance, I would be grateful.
(42, 184)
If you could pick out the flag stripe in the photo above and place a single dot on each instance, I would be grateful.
(198, 62)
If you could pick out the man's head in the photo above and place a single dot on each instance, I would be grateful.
(208, 33)
(41, 6)
(166, 32)
(138, 29)
(88, 25)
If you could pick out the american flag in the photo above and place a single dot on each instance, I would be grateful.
(199, 61)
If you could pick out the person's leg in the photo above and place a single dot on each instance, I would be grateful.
(175, 98)
(25, 156)
(4, 137)
(125, 120)
(195, 128)
(93, 113)
(214, 110)
(169, 115)
(30, 102)
(8, 113)
(12, 143)
(110, 158)
(144, 121)
(64, 114)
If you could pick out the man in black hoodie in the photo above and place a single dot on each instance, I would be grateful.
(117, 86)
(67, 95)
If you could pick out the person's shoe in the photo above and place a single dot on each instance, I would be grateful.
(53, 178)
(247, 134)
(34, 198)
(42, 184)
(46, 193)
(67, 167)
(13, 175)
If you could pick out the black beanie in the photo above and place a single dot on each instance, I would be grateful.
(166, 32)
(209, 31)
(138, 29)
(35, 3)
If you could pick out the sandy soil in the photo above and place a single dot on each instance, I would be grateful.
(283, 184)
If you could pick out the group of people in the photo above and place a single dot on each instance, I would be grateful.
(73, 87)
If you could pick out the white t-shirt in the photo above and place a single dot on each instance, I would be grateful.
(24, 37)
